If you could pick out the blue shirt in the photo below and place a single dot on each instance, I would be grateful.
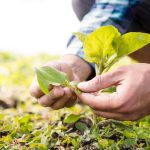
(119, 13)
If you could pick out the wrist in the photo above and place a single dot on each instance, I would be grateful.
(80, 68)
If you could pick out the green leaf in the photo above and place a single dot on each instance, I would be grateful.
(48, 75)
(130, 42)
(38, 146)
(74, 87)
(129, 134)
(93, 49)
(143, 134)
(80, 36)
(72, 118)
(25, 119)
(103, 142)
(74, 143)
(129, 142)
(44, 139)
(98, 44)
(105, 46)
(81, 126)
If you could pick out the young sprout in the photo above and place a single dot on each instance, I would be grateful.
(104, 47)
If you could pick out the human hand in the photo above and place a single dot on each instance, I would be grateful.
(59, 97)
(131, 101)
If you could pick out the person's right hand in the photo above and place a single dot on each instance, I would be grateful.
(130, 101)
(59, 97)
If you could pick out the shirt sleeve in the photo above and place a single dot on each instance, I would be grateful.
(118, 13)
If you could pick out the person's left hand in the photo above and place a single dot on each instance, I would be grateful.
(131, 100)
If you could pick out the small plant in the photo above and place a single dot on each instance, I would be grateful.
(28, 126)
(48, 75)
(104, 47)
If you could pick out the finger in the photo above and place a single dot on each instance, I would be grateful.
(103, 102)
(71, 101)
(119, 116)
(48, 100)
(35, 90)
(101, 82)
(60, 103)
(109, 115)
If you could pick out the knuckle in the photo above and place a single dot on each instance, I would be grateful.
(34, 92)
(72, 101)
(119, 71)
(51, 94)
(45, 101)
(114, 106)
(117, 103)
(112, 103)
(59, 104)
(68, 93)
(68, 96)
(55, 107)
(58, 92)
(42, 103)
(94, 106)
(98, 81)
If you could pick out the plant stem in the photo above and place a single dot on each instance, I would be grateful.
(99, 68)
(110, 65)
(73, 85)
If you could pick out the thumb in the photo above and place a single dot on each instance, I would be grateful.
(100, 82)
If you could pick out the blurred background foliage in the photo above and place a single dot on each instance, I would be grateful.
(24, 124)
(18, 70)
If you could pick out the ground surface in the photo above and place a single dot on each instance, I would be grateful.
(24, 125)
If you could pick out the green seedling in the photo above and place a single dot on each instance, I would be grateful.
(49, 76)
(104, 47)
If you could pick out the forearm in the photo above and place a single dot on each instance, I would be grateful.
(81, 68)
(143, 55)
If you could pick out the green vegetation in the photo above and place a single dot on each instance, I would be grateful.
(47, 75)
(105, 46)
(24, 125)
